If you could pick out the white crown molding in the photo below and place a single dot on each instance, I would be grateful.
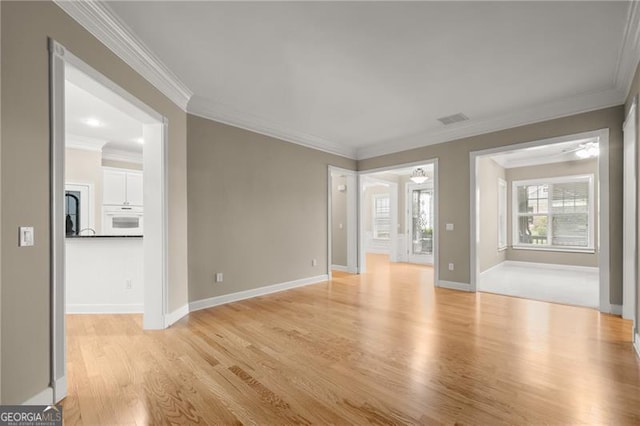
(548, 111)
(104, 24)
(83, 142)
(225, 114)
(122, 155)
(97, 18)
(629, 54)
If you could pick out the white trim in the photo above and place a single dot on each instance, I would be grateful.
(553, 110)
(105, 309)
(452, 285)
(45, 397)
(228, 115)
(98, 18)
(603, 203)
(106, 26)
(340, 268)
(503, 209)
(629, 214)
(84, 143)
(175, 316)
(629, 53)
(616, 309)
(61, 389)
(260, 291)
(542, 247)
(560, 267)
(636, 344)
(497, 265)
(121, 155)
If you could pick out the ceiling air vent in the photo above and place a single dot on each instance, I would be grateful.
(455, 118)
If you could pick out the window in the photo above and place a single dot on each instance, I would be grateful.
(381, 217)
(502, 214)
(554, 213)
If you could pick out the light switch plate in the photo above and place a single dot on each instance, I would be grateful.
(449, 227)
(26, 236)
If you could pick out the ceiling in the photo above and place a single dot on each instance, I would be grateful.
(85, 100)
(542, 154)
(366, 78)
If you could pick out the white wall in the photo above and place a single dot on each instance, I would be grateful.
(82, 166)
(97, 270)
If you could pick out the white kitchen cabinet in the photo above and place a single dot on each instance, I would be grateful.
(134, 189)
(122, 187)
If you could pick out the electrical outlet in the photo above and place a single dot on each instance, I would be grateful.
(128, 285)
(314, 262)
(219, 277)
(451, 266)
(449, 226)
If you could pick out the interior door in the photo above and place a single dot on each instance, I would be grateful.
(420, 223)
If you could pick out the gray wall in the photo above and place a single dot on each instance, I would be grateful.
(338, 217)
(25, 298)
(488, 173)
(633, 92)
(257, 209)
(454, 199)
(549, 171)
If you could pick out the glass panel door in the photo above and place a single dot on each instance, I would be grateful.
(421, 209)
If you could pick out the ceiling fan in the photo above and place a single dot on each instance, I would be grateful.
(585, 150)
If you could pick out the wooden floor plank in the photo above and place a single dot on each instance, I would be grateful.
(384, 347)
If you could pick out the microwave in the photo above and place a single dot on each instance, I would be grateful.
(122, 220)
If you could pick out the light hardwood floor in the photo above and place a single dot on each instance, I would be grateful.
(384, 348)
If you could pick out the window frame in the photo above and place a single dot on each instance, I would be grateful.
(374, 216)
(503, 203)
(515, 214)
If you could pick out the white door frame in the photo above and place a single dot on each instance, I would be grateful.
(156, 229)
(630, 216)
(411, 258)
(361, 236)
(603, 207)
(352, 218)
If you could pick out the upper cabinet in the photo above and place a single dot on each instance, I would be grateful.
(122, 187)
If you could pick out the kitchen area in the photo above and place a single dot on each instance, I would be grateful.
(104, 203)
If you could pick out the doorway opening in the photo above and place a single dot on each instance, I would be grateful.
(538, 209)
(342, 221)
(104, 192)
(398, 215)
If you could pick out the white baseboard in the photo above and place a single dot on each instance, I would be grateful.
(59, 390)
(497, 265)
(248, 294)
(454, 285)
(551, 266)
(339, 268)
(616, 309)
(42, 398)
(636, 344)
(175, 316)
(104, 309)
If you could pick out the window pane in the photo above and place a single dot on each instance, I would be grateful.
(571, 197)
(532, 229)
(533, 199)
(571, 230)
(381, 217)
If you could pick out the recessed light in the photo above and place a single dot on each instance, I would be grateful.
(139, 140)
(93, 122)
